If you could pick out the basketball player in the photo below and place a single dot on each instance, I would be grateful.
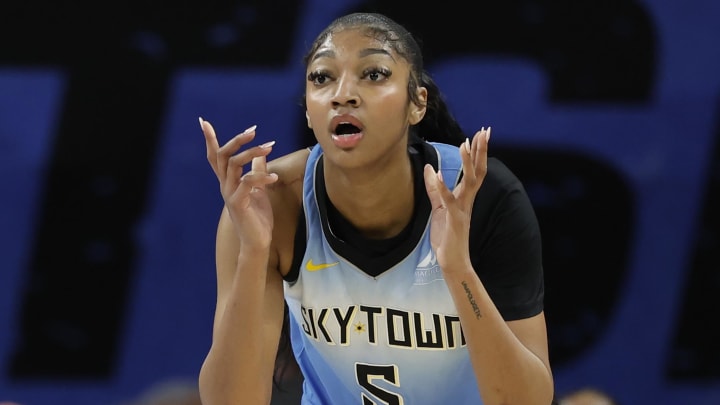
(409, 262)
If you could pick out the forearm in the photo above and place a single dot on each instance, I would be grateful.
(239, 365)
(507, 372)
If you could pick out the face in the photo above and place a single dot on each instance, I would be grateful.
(357, 99)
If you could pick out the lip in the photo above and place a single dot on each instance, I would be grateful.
(345, 119)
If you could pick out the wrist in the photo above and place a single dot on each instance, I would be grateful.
(457, 269)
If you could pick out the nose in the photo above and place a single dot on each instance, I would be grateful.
(346, 93)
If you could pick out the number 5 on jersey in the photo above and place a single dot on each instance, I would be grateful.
(367, 373)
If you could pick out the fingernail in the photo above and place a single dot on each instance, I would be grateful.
(201, 121)
(252, 128)
(267, 145)
(467, 144)
(487, 134)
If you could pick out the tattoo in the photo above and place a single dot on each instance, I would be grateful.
(476, 309)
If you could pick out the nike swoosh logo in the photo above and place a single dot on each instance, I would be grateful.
(310, 266)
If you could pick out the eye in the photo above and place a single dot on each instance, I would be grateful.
(377, 74)
(318, 77)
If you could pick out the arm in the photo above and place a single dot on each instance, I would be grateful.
(249, 311)
(510, 359)
(248, 321)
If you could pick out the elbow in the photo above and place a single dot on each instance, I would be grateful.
(211, 387)
(205, 387)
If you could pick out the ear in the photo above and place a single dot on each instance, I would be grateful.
(417, 112)
(307, 117)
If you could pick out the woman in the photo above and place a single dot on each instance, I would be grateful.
(405, 280)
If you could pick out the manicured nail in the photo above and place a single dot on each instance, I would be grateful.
(267, 145)
(487, 134)
(201, 121)
(252, 128)
(467, 144)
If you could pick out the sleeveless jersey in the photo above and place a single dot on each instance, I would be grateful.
(391, 339)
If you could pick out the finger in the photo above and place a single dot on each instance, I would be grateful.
(231, 148)
(258, 177)
(211, 143)
(481, 156)
(258, 169)
(467, 153)
(479, 149)
(474, 162)
(259, 165)
(431, 186)
(438, 192)
(237, 163)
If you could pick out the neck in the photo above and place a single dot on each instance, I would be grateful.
(378, 203)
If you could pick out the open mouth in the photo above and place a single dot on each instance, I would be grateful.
(346, 129)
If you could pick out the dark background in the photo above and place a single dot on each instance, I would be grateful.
(609, 111)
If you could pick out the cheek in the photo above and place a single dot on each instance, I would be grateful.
(393, 106)
(313, 105)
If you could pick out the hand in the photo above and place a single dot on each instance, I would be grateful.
(244, 195)
(451, 211)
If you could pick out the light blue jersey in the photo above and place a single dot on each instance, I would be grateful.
(390, 339)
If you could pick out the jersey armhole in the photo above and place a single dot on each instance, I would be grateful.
(299, 244)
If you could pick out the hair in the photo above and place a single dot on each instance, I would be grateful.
(438, 124)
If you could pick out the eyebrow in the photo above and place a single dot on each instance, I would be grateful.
(363, 53)
(374, 51)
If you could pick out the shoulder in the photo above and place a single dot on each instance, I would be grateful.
(506, 244)
(502, 205)
(498, 171)
(290, 168)
(500, 181)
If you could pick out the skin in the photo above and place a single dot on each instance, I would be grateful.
(370, 183)
(587, 396)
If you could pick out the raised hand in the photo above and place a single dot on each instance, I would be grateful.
(451, 211)
(244, 194)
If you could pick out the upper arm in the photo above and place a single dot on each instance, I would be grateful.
(506, 247)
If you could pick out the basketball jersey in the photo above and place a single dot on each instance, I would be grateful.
(390, 339)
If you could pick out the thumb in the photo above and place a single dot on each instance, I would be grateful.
(432, 186)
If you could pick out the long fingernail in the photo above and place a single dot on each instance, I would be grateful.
(467, 144)
(267, 145)
(201, 121)
(252, 128)
(487, 134)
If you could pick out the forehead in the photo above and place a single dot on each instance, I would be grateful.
(354, 42)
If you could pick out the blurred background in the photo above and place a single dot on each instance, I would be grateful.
(608, 111)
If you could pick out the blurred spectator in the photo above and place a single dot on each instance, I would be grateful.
(587, 396)
(175, 392)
